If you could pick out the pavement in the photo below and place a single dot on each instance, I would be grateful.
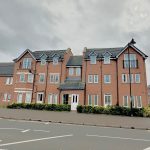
(35, 135)
(76, 118)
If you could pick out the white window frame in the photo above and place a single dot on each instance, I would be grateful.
(40, 75)
(124, 101)
(105, 78)
(133, 104)
(5, 97)
(106, 59)
(43, 62)
(95, 100)
(52, 98)
(37, 100)
(23, 75)
(137, 81)
(138, 101)
(71, 71)
(92, 59)
(30, 78)
(131, 78)
(95, 78)
(126, 78)
(78, 71)
(19, 100)
(89, 96)
(27, 63)
(90, 78)
(28, 101)
(55, 60)
(9, 80)
(105, 104)
(55, 75)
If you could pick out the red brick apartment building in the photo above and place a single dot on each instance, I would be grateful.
(99, 77)
(148, 89)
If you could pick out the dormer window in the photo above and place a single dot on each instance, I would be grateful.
(93, 59)
(106, 59)
(43, 61)
(55, 60)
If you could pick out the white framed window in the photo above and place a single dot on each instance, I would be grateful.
(8, 97)
(93, 59)
(107, 78)
(27, 63)
(90, 100)
(71, 71)
(22, 77)
(28, 97)
(125, 101)
(43, 62)
(95, 78)
(19, 97)
(5, 97)
(54, 78)
(106, 59)
(90, 78)
(95, 100)
(132, 58)
(9, 80)
(55, 60)
(78, 71)
(41, 77)
(131, 78)
(133, 101)
(107, 100)
(30, 78)
(137, 78)
(40, 97)
(139, 101)
(124, 78)
(52, 98)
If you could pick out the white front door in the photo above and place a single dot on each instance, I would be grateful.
(74, 101)
(19, 98)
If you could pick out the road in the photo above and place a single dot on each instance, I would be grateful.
(28, 135)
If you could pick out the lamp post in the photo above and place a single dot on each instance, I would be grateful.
(132, 42)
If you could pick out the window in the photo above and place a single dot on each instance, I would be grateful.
(71, 71)
(40, 97)
(27, 63)
(9, 80)
(22, 77)
(78, 71)
(55, 60)
(139, 102)
(132, 58)
(28, 97)
(95, 78)
(137, 78)
(125, 101)
(52, 99)
(89, 99)
(30, 78)
(19, 97)
(95, 100)
(43, 61)
(54, 78)
(5, 97)
(106, 59)
(93, 59)
(124, 78)
(8, 97)
(133, 101)
(42, 78)
(107, 100)
(131, 78)
(107, 79)
(90, 78)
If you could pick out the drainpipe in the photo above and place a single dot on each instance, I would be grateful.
(117, 83)
(101, 83)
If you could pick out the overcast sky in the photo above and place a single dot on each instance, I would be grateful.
(59, 24)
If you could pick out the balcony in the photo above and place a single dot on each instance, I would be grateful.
(133, 63)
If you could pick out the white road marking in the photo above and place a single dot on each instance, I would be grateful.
(147, 148)
(46, 123)
(34, 140)
(41, 131)
(0, 140)
(122, 138)
(11, 129)
(25, 130)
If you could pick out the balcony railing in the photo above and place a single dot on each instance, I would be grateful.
(133, 63)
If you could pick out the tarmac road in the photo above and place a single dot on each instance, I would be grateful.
(30, 135)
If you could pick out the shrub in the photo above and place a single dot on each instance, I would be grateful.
(79, 108)
(146, 111)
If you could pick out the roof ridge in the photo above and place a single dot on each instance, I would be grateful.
(49, 50)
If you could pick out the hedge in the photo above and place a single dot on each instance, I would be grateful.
(49, 107)
(115, 110)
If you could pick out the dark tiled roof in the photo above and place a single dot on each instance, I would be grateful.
(75, 61)
(6, 69)
(72, 85)
(101, 51)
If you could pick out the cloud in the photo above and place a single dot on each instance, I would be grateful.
(59, 24)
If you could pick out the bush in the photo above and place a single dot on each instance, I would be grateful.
(146, 112)
(49, 107)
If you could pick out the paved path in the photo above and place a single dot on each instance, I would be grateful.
(28, 135)
(75, 118)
